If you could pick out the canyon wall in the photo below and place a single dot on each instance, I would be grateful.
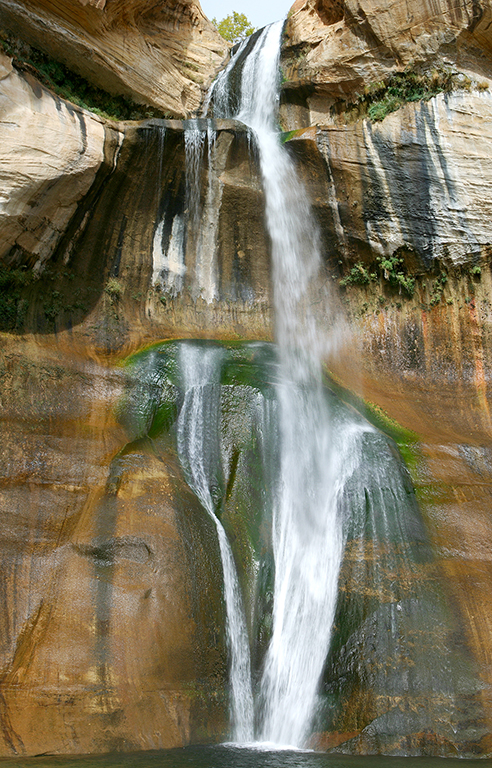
(337, 49)
(112, 603)
(160, 54)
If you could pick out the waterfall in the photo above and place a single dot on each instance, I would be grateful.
(315, 463)
(199, 453)
(292, 472)
(196, 224)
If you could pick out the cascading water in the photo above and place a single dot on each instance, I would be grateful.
(307, 530)
(199, 453)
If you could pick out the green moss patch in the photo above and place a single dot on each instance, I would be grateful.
(406, 440)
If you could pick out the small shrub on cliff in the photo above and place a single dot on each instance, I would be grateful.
(394, 271)
(113, 289)
(391, 269)
(234, 27)
(358, 275)
(437, 288)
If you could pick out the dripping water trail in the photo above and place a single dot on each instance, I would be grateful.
(202, 215)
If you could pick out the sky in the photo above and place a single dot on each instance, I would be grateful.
(259, 12)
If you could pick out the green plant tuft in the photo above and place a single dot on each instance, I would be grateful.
(394, 271)
(391, 269)
(437, 288)
(113, 289)
(13, 307)
(358, 275)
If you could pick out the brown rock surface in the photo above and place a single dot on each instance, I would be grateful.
(336, 48)
(158, 53)
(111, 610)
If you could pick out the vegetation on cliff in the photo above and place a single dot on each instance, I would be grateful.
(381, 98)
(234, 27)
(391, 269)
(391, 280)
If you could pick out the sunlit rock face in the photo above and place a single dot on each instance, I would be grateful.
(87, 202)
(417, 182)
(334, 49)
(161, 54)
(111, 590)
(112, 597)
(50, 154)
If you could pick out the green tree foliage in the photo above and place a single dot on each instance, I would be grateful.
(234, 27)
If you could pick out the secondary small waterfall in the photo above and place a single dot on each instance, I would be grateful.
(199, 453)
(314, 467)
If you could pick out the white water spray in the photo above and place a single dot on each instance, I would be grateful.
(307, 530)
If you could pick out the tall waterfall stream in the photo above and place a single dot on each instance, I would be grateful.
(314, 466)
(307, 536)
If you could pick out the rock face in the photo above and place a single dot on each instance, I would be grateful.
(114, 634)
(161, 54)
(421, 351)
(85, 209)
(336, 48)
(416, 183)
(51, 153)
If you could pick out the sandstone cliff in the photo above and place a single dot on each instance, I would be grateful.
(111, 600)
(336, 49)
(160, 54)
(51, 155)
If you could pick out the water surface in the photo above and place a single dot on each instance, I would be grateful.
(234, 757)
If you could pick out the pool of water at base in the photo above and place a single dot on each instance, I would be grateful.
(230, 756)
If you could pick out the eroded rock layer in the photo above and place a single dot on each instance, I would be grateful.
(335, 49)
(160, 54)
(51, 153)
